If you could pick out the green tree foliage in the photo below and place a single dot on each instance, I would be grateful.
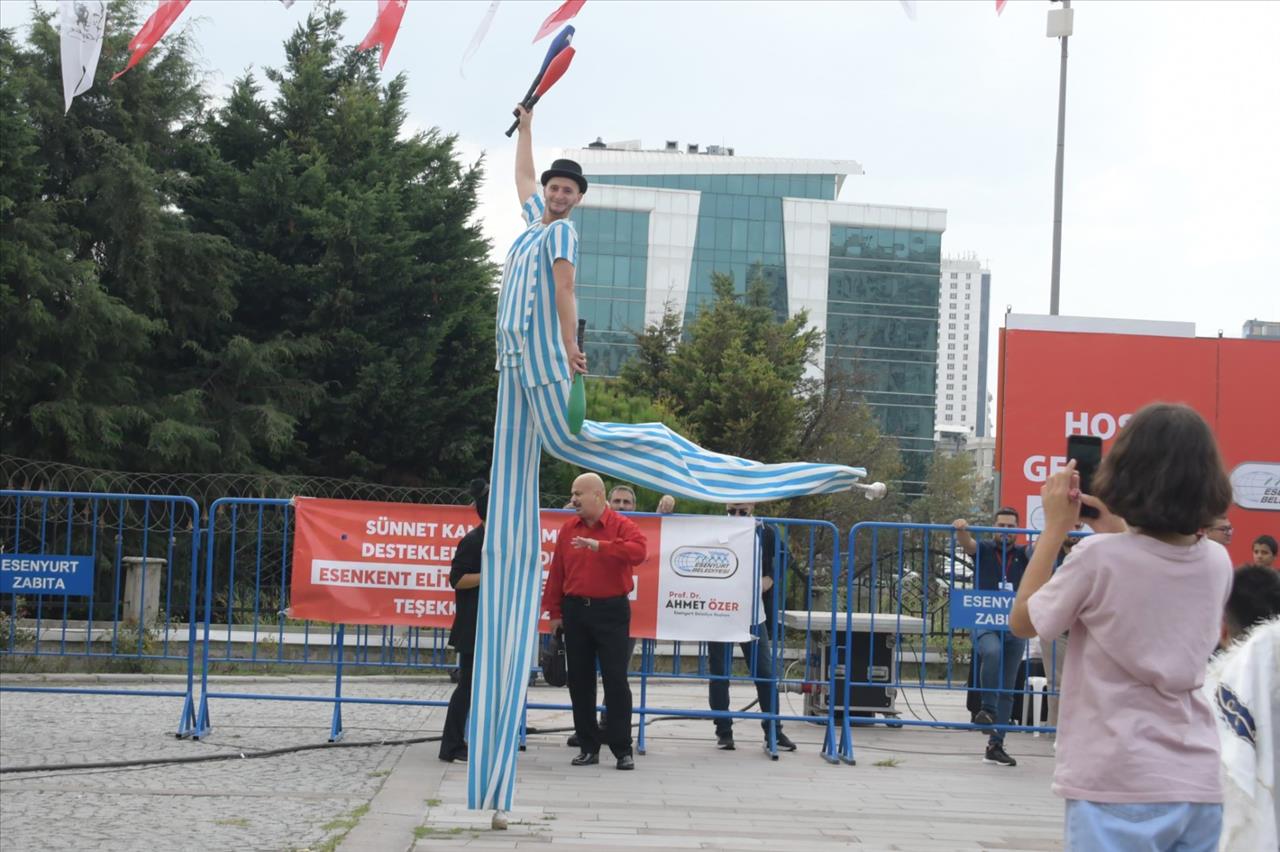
(608, 402)
(837, 425)
(736, 379)
(110, 286)
(359, 237)
(953, 490)
(646, 373)
(291, 284)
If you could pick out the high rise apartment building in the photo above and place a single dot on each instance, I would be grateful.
(964, 317)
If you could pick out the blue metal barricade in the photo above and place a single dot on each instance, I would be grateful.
(859, 621)
(804, 550)
(902, 586)
(248, 544)
(138, 601)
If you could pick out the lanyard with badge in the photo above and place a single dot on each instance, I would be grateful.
(1005, 585)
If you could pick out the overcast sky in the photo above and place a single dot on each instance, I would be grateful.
(1172, 206)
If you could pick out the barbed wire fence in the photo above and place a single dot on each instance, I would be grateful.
(36, 475)
(161, 528)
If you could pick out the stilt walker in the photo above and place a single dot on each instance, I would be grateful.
(538, 356)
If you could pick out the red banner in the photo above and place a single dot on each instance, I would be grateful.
(388, 563)
(1054, 384)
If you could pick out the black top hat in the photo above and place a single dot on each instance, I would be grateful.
(566, 169)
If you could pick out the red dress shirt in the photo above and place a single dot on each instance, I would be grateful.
(588, 573)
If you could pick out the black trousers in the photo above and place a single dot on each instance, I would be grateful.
(453, 738)
(759, 663)
(599, 629)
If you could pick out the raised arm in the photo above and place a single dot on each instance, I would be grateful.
(965, 538)
(526, 174)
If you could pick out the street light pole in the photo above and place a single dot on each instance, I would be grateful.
(1059, 26)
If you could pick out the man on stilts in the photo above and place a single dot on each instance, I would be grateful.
(538, 356)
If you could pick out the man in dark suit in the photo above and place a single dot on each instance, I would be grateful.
(464, 576)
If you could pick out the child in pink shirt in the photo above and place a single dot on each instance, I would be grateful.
(1137, 754)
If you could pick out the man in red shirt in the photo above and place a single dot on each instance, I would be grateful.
(586, 593)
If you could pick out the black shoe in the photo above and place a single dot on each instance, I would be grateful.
(724, 741)
(587, 758)
(996, 754)
(784, 742)
(572, 742)
(626, 762)
(986, 720)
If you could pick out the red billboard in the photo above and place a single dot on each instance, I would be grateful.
(1054, 384)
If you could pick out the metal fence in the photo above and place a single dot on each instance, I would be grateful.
(248, 563)
(895, 634)
(205, 488)
(205, 595)
(143, 590)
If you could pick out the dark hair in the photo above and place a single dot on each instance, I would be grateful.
(479, 490)
(1164, 474)
(1266, 541)
(1009, 510)
(1255, 597)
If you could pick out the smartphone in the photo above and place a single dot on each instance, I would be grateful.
(1087, 451)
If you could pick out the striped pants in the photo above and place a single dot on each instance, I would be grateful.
(646, 454)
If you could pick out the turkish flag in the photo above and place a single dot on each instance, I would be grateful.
(153, 30)
(558, 17)
(384, 29)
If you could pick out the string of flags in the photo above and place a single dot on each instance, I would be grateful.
(82, 24)
(909, 7)
(385, 26)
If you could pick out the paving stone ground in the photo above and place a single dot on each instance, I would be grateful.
(930, 791)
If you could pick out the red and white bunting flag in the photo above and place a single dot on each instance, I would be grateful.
(909, 6)
(1000, 6)
(287, 3)
(153, 30)
(558, 17)
(384, 29)
(81, 23)
(481, 32)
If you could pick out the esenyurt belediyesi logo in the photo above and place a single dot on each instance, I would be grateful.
(716, 563)
(1256, 485)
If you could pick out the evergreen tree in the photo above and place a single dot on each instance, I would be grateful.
(646, 373)
(292, 286)
(108, 285)
(359, 256)
(737, 377)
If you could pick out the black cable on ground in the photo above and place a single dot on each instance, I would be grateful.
(274, 752)
(207, 758)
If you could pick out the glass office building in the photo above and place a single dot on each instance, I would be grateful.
(656, 225)
(882, 330)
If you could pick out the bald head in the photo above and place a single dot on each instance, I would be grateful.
(588, 497)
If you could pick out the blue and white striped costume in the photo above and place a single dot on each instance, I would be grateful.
(533, 395)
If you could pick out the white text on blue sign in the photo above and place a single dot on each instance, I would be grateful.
(46, 575)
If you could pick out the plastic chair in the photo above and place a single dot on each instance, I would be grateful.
(1037, 687)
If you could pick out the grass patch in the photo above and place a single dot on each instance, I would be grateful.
(381, 773)
(424, 831)
(888, 762)
(433, 803)
(342, 826)
(238, 822)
